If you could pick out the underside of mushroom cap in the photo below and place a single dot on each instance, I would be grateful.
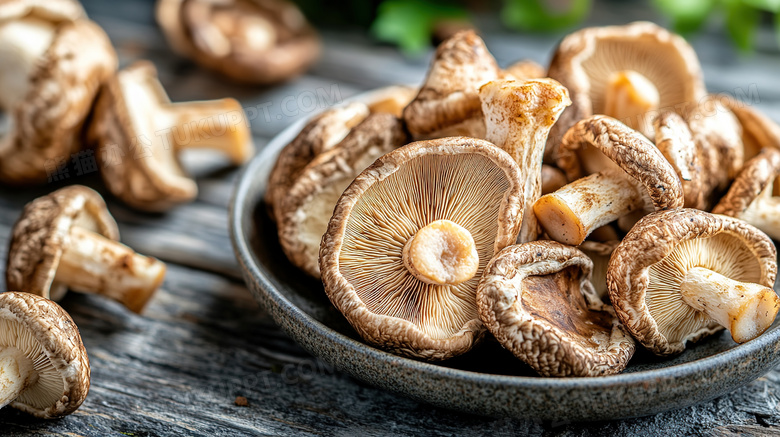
(448, 102)
(758, 130)
(308, 204)
(647, 268)
(537, 300)
(585, 60)
(51, 10)
(252, 41)
(47, 125)
(42, 231)
(52, 340)
(463, 180)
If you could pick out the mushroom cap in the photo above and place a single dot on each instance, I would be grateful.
(48, 336)
(673, 138)
(629, 150)
(448, 101)
(523, 70)
(599, 253)
(584, 60)
(320, 134)
(467, 181)
(537, 300)
(646, 270)
(308, 204)
(251, 41)
(51, 10)
(47, 123)
(42, 231)
(391, 99)
(758, 130)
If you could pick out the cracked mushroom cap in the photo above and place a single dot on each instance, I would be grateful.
(753, 196)
(52, 62)
(43, 341)
(657, 277)
(537, 300)
(309, 202)
(448, 102)
(625, 72)
(251, 41)
(673, 138)
(320, 134)
(409, 238)
(139, 134)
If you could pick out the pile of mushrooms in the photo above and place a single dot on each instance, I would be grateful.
(574, 214)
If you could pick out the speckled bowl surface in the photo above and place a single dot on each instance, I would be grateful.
(488, 380)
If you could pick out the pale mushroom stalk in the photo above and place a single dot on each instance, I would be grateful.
(441, 253)
(22, 43)
(574, 211)
(762, 213)
(15, 372)
(631, 98)
(745, 309)
(211, 126)
(95, 264)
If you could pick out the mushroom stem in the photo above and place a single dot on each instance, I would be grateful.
(15, 372)
(745, 309)
(22, 43)
(763, 213)
(629, 97)
(212, 124)
(441, 253)
(92, 263)
(570, 214)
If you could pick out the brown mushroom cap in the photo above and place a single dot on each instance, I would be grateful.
(455, 184)
(252, 41)
(139, 133)
(52, 67)
(448, 102)
(585, 61)
(308, 204)
(320, 134)
(753, 195)
(44, 235)
(50, 340)
(648, 269)
(674, 140)
(537, 300)
(524, 70)
(758, 130)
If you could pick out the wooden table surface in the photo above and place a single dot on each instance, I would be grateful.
(203, 341)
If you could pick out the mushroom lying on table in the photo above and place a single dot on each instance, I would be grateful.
(537, 300)
(448, 103)
(44, 369)
(52, 62)
(139, 134)
(518, 117)
(67, 239)
(753, 196)
(409, 238)
(253, 41)
(308, 204)
(634, 176)
(627, 72)
(683, 274)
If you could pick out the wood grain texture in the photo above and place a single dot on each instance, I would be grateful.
(203, 341)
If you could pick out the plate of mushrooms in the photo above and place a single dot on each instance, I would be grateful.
(591, 241)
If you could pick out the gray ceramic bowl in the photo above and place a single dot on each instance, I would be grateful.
(488, 380)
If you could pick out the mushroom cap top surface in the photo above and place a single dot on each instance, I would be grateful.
(449, 96)
(251, 41)
(308, 204)
(584, 61)
(42, 231)
(319, 135)
(756, 175)
(50, 10)
(647, 268)
(47, 123)
(675, 141)
(47, 335)
(627, 149)
(536, 298)
(464, 180)
(758, 130)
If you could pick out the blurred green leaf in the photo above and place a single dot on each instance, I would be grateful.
(687, 16)
(766, 5)
(741, 22)
(410, 23)
(532, 15)
(777, 28)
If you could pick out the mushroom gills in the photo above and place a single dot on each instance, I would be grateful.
(22, 44)
(632, 99)
(92, 263)
(15, 372)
